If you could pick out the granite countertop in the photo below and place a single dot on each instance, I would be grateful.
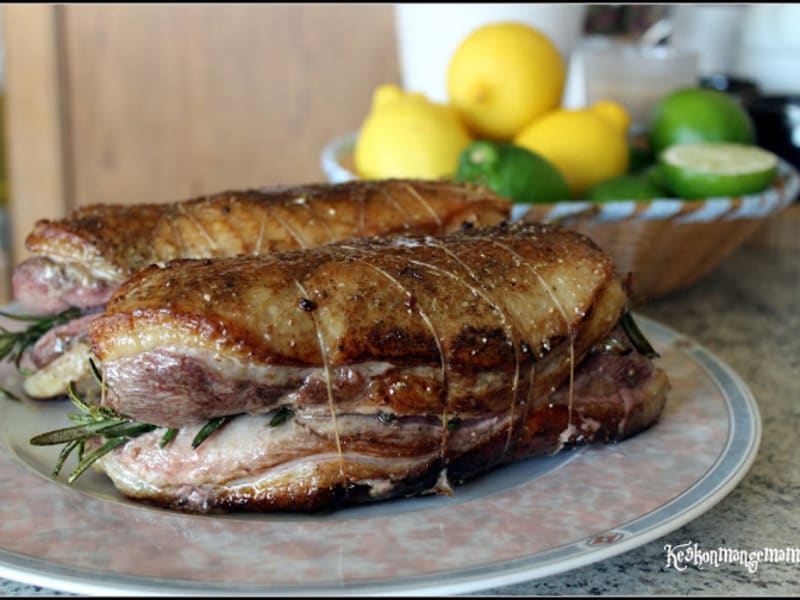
(746, 313)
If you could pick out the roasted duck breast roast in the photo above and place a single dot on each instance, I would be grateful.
(80, 260)
(367, 369)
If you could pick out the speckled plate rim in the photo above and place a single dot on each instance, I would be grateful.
(735, 456)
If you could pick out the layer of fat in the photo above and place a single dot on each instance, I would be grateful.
(53, 379)
(88, 270)
(235, 368)
(248, 458)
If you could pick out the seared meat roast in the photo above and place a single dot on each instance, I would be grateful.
(368, 369)
(79, 261)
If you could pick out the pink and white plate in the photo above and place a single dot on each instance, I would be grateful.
(535, 518)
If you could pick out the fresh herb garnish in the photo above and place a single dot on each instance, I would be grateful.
(93, 421)
(208, 429)
(387, 418)
(169, 435)
(9, 395)
(453, 424)
(13, 344)
(637, 337)
(96, 374)
(283, 414)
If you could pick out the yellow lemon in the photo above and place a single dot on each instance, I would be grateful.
(587, 145)
(613, 112)
(502, 76)
(406, 135)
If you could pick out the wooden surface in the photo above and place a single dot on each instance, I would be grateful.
(33, 116)
(136, 103)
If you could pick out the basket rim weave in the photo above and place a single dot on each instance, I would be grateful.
(779, 195)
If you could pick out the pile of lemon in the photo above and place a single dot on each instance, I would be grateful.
(504, 127)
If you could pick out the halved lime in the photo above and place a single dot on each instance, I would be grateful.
(708, 169)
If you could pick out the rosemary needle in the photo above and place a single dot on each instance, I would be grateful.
(208, 429)
(92, 422)
(637, 337)
(283, 414)
(169, 435)
(13, 344)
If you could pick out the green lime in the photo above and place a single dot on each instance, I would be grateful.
(655, 174)
(513, 172)
(698, 115)
(708, 169)
(626, 187)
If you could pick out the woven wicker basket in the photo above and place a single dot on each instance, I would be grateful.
(666, 244)
(669, 244)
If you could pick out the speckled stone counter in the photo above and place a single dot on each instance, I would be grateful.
(747, 313)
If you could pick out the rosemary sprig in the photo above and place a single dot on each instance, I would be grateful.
(13, 344)
(96, 421)
(637, 337)
(10, 395)
(208, 429)
(283, 414)
(93, 421)
(169, 435)
(98, 377)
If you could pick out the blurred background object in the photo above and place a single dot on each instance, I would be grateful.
(769, 48)
(634, 74)
(740, 89)
(629, 21)
(428, 35)
(125, 103)
(711, 30)
(4, 226)
(777, 120)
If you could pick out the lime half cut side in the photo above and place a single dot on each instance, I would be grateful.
(711, 169)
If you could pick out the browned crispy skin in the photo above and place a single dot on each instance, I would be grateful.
(80, 260)
(120, 240)
(407, 363)
(477, 302)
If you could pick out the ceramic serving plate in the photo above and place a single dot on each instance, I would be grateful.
(538, 517)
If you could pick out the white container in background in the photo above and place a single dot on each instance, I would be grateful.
(635, 76)
(770, 47)
(429, 34)
(713, 31)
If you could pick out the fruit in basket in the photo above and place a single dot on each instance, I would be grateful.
(586, 145)
(407, 135)
(503, 76)
(709, 169)
(655, 173)
(698, 115)
(512, 171)
(640, 155)
(626, 187)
